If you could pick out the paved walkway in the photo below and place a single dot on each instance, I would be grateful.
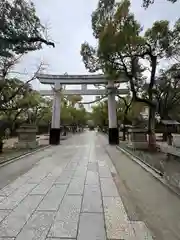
(68, 195)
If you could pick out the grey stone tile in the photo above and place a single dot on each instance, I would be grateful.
(55, 173)
(92, 159)
(10, 188)
(84, 162)
(71, 166)
(76, 186)
(38, 173)
(102, 163)
(108, 187)
(66, 221)
(43, 187)
(37, 227)
(92, 178)
(92, 201)
(125, 231)
(116, 219)
(80, 171)
(37, 178)
(2, 198)
(13, 200)
(59, 239)
(65, 177)
(91, 227)
(141, 231)
(53, 199)
(104, 172)
(4, 213)
(111, 166)
(58, 170)
(93, 166)
(13, 223)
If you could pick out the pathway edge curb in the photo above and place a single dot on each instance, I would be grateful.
(148, 169)
(4, 163)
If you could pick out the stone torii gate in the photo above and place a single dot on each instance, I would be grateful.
(59, 80)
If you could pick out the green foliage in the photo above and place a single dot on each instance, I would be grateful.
(167, 93)
(19, 101)
(71, 114)
(13, 93)
(100, 114)
(146, 3)
(123, 47)
(20, 30)
(126, 111)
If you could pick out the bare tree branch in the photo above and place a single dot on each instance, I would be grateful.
(21, 86)
(22, 39)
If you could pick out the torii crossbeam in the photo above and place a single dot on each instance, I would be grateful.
(77, 79)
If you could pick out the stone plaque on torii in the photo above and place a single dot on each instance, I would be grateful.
(59, 80)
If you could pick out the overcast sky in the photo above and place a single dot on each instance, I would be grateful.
(69, 24)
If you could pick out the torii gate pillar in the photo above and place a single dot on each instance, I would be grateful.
(54, 138)
(112, 115)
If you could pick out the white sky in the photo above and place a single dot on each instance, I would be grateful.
(69, 24)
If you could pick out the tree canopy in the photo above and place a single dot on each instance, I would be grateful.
(20, 30)
(123, 46)
(72, 114)
(18, 101)
(167, 93)
(147, 3)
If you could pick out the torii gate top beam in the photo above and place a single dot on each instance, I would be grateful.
(77, 79)
(83, 92)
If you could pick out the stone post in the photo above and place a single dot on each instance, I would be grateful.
(112, 115)
(55, 123)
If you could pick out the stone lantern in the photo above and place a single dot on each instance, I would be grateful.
(27, 136)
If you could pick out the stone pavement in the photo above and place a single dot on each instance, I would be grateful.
(68, 195)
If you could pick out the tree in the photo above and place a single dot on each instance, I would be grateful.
(100, 114)
(146, 3)
(27, 105)
(20, 30)
(39, 109)
(70, 114)
(123, 110)
(168, 93)
(13, 94)
(10, 88)
(74, 99)
(123, 47)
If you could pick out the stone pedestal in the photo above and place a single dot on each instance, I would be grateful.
(138, 138)
(113, 136)
(176, 141)
(27, 136)
(54, 138)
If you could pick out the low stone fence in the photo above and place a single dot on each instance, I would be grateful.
(171, 165)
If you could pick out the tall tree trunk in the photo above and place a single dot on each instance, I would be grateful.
(124, 133)
(152, 109)
(124, 127)
(151, 128)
